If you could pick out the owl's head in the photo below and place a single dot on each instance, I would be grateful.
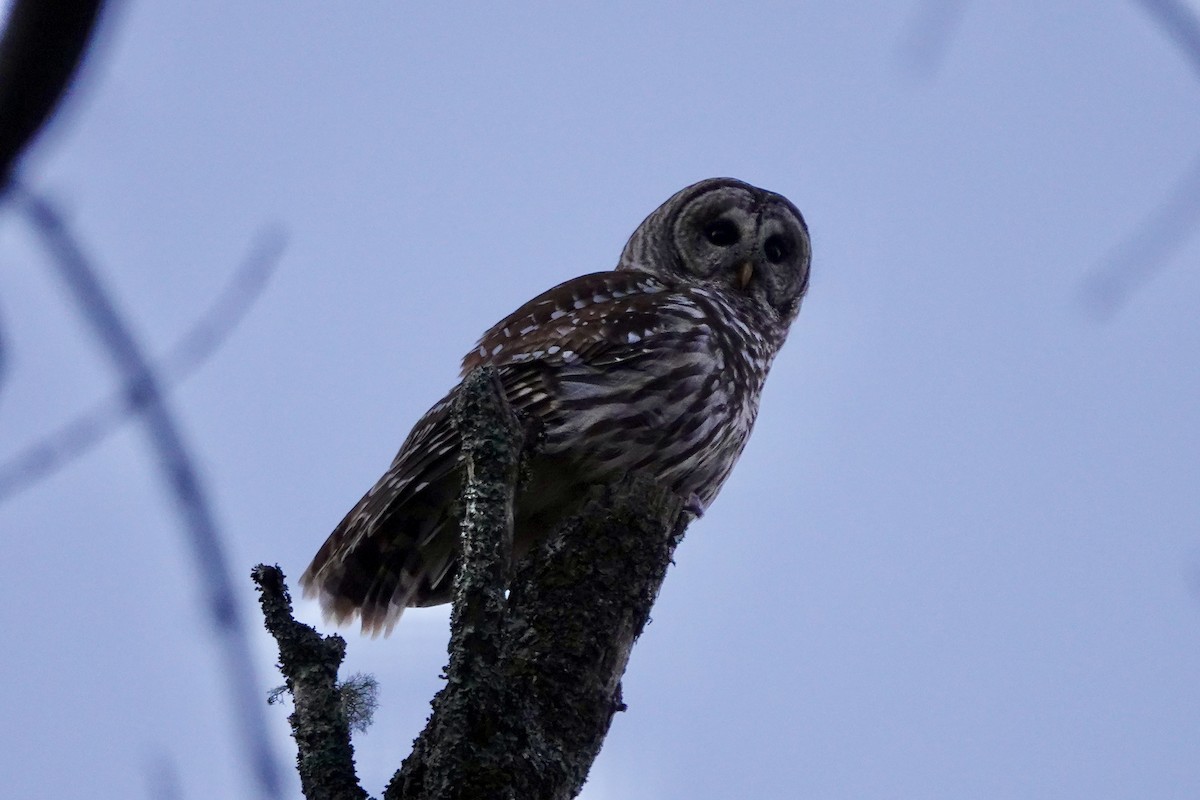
(727, 233)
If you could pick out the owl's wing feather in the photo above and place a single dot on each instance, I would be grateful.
(384, 555)
(398, 546)
(586, 319)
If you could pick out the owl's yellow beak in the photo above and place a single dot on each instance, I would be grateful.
(745, 273)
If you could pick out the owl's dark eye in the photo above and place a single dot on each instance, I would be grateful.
(722, 233)
(776, 249)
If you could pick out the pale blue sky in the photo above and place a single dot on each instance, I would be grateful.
(959, 557)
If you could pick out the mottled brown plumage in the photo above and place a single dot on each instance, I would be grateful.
(656, 366)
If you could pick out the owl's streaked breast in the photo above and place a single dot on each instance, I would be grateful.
(682, 407)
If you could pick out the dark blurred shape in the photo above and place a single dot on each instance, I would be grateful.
(144, 390)
(40, 52)
(928, 39)
(52, 452)
(41, 47)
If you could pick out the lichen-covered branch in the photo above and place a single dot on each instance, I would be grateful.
(575, 612)
(534, 676)
(533, 683)
(451, 757)
(309, 663)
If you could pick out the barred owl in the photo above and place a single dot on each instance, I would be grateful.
(656, 366)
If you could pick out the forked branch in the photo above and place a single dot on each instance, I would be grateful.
(535, 664)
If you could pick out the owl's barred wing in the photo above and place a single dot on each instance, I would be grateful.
(628, 373)
(598, 360)
(397, 546)
(586, 319)
(386, 553)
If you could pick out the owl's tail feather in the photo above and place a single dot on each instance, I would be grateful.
(398, 547)
(376, 572)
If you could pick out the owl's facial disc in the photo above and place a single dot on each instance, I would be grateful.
(751, 243)
(784, 256)
(726, 233)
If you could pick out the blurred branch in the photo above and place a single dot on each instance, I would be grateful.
(534, 675)
(162, 778)
(1134, 261)
(52, 452)
(3, 360)
(178, 470)
(1180, 22)
(928, 39)
(40, 52)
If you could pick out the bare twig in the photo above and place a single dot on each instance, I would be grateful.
(178, 471)
(40, 52)
(309, 662)
(54, 451)
(359, 696)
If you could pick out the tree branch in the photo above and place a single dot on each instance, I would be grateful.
(53, 451)
(533, 679)
(310, 663)
(575, 612)
(532, 685)
(469, 711)
(1143, 252)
